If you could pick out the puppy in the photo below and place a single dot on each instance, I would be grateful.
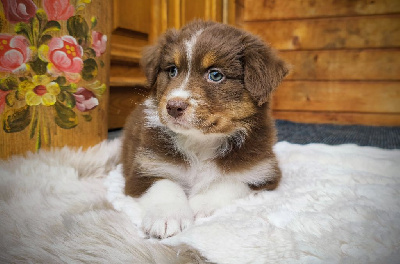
(205, 136)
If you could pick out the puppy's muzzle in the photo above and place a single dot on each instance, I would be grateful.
(176, 107)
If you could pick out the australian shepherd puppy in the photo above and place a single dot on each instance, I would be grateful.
(205, 136)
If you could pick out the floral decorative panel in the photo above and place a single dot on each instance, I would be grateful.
(54, 63)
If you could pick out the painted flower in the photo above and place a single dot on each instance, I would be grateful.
(58, 9)
(14, 53)
(85, 99)
(41, 90)
(3, 95)
(64, 56)
(99, 42)
(19, 10)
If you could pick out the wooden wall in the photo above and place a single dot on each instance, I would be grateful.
(345, 56)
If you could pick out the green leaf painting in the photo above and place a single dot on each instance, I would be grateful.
(90, 69)
(65, 118)
(78, 28)
(9, 83)
(16, 120)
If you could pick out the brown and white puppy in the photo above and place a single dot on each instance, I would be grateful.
(205, 136)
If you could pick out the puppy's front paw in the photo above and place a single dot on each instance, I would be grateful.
(216, 196)
(166, 220)
(203, 206)
(166, 209)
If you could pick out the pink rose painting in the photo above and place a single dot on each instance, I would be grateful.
(19, 10)
(85, 100)
(65, 54)
(14, 52)
(58, 9)
(99, 43)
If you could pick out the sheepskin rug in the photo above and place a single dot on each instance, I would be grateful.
(335, 204)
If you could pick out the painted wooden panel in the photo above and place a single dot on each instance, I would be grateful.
(274, 9)
(370, 64)
(348, 118)
(330, 33)
(368, 97)
(54, 65)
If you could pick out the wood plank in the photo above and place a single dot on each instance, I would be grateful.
(126, 75)
(375, 97)
(158, 18)
(370, 64)
(330, 33)
(238, 14)
(203, 9)
(127, 46)
(174, 13)
(371, 119)
(270, 10)
(127, 81)
(133, 15)
(122, 102)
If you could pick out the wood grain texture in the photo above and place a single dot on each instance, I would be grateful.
(132, 15)
(363, 65)
(158, 18)
(330, 33)
(345, 58)
(342, 96)
(122, 101)
(370, 119)
(126, 75)
(237, 14)
(205, 9)
(274, 9)
(127, 46)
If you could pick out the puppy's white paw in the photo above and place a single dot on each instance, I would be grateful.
(203, 206)
(216, 196)
(166, 220)
(166, 209)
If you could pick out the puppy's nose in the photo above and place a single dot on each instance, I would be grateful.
(176, 107)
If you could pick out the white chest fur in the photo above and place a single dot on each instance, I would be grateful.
(198, 171)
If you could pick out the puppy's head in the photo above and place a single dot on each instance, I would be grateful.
(211, 78)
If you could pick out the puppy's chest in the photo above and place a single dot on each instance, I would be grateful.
(194, 169)
(199, 156)
(199, 175)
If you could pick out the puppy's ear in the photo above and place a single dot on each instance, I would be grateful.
(151, 56)
(263, 69)
(150, 63)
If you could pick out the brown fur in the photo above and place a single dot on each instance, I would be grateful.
(240, 102)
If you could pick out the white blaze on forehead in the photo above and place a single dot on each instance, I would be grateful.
(189, 47)
(180, 93)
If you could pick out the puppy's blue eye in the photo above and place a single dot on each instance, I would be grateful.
(215, 76)
(172, 71)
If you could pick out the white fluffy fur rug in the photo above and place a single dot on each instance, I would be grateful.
(336, 204)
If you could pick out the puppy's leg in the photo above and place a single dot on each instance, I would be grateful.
(166, 209)
(217, 195)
